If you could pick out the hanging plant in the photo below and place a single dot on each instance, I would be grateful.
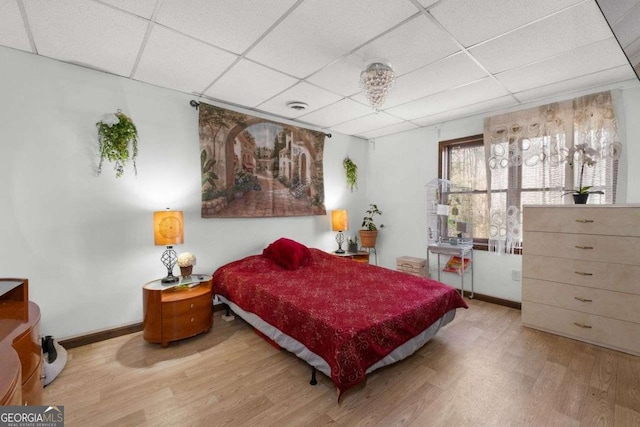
(116, 132)
(351, 170)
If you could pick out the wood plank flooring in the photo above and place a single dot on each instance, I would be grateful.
(483, 369)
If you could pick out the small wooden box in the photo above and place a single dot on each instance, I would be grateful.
(411, 265)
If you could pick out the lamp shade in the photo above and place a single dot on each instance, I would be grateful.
(339, 220)
(167, 228)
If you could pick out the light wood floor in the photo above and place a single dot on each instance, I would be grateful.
(483, 369)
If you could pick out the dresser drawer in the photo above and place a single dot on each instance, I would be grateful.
(615, 249)
(604, 331)
(588, 300)
(605, 220)
(613, 277)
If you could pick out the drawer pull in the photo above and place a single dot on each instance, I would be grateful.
(582, 325)
(583, 299)
(582, 273)
(192, 320)
(584, 221)
(583, 247)
(191, 305)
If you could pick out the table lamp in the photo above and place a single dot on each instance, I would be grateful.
(339, 223)
(167, 231)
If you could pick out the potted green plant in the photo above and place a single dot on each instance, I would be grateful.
(369, 231)
(586, 156)
(116, 133)
(351, 171)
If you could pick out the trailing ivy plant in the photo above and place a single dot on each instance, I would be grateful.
(351, 170)
(116, 132)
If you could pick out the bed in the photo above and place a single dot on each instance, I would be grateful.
(344, 318)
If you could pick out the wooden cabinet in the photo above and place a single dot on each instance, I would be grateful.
(581, 273)
(20, 347)
(175, 313)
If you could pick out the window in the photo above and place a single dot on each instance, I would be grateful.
(526, 157)
(462, 161)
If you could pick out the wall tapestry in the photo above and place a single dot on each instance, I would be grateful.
(253, 167)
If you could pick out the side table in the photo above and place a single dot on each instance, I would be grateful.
(360, 256)
(177, 310)
(456, 250)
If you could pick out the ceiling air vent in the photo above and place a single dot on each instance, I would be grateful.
(297, 105)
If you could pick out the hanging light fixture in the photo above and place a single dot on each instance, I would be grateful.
(376, 80)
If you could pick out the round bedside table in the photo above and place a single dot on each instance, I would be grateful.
(177, 310)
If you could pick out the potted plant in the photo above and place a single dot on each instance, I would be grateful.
(369, 231)
(116, 132)
(351, 171)
(586, 156)
(186, 261)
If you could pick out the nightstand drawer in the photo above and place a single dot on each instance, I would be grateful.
(186, 318)
(185, 307)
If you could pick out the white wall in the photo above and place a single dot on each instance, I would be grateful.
(84, 242)
(401, 165)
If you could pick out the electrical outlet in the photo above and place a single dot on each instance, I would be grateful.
(515, 275)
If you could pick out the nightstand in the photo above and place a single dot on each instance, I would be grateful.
(176, 311)
(360, 256)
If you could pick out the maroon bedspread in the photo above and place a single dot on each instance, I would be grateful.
(350, 314)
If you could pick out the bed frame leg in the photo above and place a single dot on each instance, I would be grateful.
(313, 376)
(227, 310)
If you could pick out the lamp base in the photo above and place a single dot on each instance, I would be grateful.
(340, 251)
(170, 279)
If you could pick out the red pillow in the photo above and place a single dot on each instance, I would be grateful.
(288, 253)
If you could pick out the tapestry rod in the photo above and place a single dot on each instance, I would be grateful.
(195, 104)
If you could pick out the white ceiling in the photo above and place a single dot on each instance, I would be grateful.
(452, 58)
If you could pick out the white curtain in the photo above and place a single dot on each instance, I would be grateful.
(526, 154)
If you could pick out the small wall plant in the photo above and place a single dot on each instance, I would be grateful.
(351, 171)
(118, 142)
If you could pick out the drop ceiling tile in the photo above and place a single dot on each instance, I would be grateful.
(178, 62)
(427, 3)
(86, 33)
(614, 10)
(589, 59)
(250, 84)
(339, 112)
(12, 31)
(319, 32)
(389, 130)
(367, 123)
(422, 43)
(575, 27)
(142, 8)
(601, 78)
(627, 29)
(479, 91)
(450, 72)
(229, 24)
(304, 92)
(471, 110)
(472, 21)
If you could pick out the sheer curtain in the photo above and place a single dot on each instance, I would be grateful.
(526, 154)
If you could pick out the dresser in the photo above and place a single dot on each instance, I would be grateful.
(20, 349)
(581, 273)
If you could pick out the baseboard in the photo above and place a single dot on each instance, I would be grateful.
(494, 300)
(110, 333)
(100, 336)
